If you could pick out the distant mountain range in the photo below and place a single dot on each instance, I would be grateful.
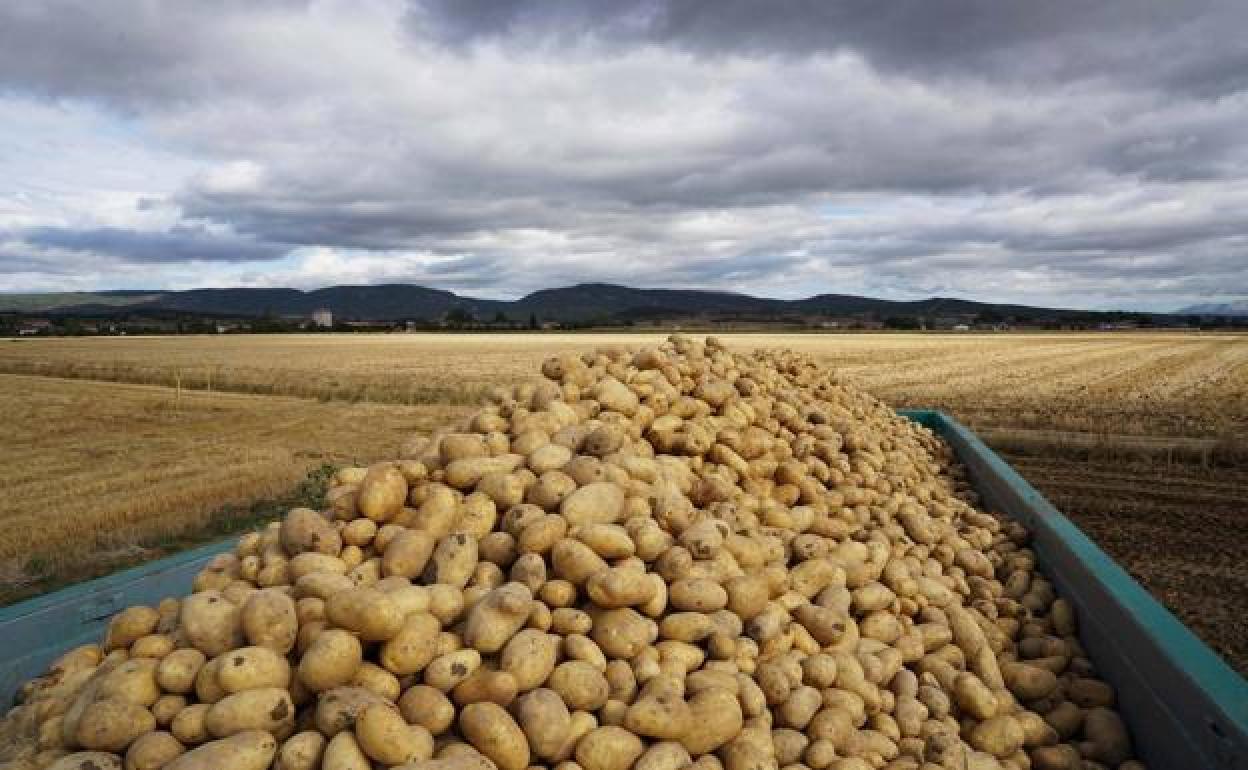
(582, 303)
(1235, 308)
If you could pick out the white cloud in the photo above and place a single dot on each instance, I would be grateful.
(342, 142)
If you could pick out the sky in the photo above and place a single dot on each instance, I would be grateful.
(1062, 153)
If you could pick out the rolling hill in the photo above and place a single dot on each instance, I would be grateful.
(582, 303)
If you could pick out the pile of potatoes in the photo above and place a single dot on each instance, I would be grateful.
(677, 557)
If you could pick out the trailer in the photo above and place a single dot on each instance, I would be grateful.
(1185, 707)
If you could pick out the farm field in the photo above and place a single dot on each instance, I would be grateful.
(1122, 384)
(1138, 437)
(98, 474)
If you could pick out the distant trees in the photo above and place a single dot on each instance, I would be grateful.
(901, 322)
(458, 317)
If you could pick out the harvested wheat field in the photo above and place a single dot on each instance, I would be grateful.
(1133, 384)
(98, 473)
(1138, 437)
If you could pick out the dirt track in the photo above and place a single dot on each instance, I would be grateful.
(1181, 531)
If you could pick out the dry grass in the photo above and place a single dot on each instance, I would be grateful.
(95, 468)
(1132, 384)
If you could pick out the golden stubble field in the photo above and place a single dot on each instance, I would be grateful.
(1136, 384)
(98, 474)
(1138, 436)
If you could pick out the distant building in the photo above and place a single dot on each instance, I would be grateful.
(323, 318)
(961, 328)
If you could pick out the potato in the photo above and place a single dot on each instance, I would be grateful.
(454, 559)
(408, 553)
(999, 736)
(134, 681)
(597, 503)
(211, 623)
(446, 672)
(385, 737)
(368, 613)
(152, 751)
(128, 626)
(269, 620)
(608, 748)
(530, 657)
(664, 716)
(339, 708)
(253, 667)
(372, 677)
(382, 492)
(620, 587)
(343, 753)
(543, 716)
(493, 732)
(1106, 738)
(486, 684)
(189, 726)
(716, 719)
(428, 707)
(301, 751)
(974, 697)
(623, 633)
(495, 619)
(330, 661)
(413, 647)
(1028, 682)
(698, 595)
(265, 708)
(304, 529)
(467, 472)
(248, 750)
(581, 685)
(112, 724)
(575, 562)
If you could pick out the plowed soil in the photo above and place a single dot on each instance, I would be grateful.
(1182, 531)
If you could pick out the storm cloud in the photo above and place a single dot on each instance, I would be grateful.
(1069, 153)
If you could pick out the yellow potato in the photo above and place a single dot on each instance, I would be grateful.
(370, 614)
(211, 623)
(546, 722)
(496, 618)
(269, 620)
(494, 733)
(716, 719)
(530, 656)
(301, 751)
(267, 708)
(338, 709)
(382, 492)
(304, 529)
(413, 647)
(152, 751)
(385, 737)
(330, 661)
(252, 667)
(128, 626)
(428, 707)
(112, 724)
(608, 748)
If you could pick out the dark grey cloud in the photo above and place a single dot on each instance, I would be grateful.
(180, 243)
(1186, 45)
(1061, 151)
